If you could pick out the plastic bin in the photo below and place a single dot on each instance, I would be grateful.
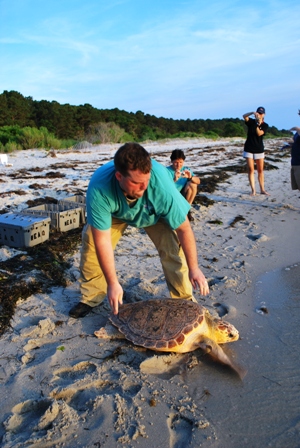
(18, 230)
(76, 201)
(63, 218)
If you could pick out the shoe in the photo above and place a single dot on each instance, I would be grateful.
(80, 310)
(190, 216)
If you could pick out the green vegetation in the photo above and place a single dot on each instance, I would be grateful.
(26, 123)
(14, 137)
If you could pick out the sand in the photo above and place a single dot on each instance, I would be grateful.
(61, 386)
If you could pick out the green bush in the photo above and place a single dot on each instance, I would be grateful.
(148, 134)
(68, 143)
(105, 133)
(31, 138)
(126, 138)
(14, 138)
(10, 134)
(11, 147)
(185, 134)
(234, 130)
(211, 134)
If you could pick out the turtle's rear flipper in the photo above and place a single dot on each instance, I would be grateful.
(214, 350)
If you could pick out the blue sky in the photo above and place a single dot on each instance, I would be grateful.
(170, 58)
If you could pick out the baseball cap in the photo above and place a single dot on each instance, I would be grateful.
(261, 110)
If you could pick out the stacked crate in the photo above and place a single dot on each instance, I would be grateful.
(75, 202)
(32, 225)
(63, 218)
(17, 230)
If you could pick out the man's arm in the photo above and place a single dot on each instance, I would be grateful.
(188, 244)
(105, 254)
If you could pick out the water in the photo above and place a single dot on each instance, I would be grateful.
(264, 409)
(280, 287)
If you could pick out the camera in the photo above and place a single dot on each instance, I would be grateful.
(183, 173)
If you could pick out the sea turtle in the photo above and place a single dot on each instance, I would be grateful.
(172, 325)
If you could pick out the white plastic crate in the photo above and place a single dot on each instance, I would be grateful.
(74, 202)
(63, 218)
(18, 230)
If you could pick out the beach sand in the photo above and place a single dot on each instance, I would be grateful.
(61, 386)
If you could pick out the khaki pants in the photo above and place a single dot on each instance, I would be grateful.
(93, 285)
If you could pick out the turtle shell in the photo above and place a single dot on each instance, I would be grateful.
(160, 324)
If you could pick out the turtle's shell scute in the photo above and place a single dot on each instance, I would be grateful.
(158, 324)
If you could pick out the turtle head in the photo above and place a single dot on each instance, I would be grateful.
(225, 332)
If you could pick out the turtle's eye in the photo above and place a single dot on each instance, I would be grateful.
(231, 335)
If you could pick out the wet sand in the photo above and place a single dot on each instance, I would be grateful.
(264, 409)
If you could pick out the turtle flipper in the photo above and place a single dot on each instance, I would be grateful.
(109, 332)
(213, 349)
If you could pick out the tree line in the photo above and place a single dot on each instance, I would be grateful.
(85, 122)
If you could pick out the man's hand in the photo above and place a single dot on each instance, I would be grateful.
(105, 254)
(199, 281)
(115, 297)
(187, 241)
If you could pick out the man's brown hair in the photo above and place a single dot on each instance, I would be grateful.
(132, 156)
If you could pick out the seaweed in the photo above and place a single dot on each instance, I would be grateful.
(210, 182)
(203, 200)
(237, 219)
(39, 269)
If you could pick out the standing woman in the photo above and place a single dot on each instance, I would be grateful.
(254, 147)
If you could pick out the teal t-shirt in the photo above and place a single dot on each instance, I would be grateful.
(105, 200)
(182, 181)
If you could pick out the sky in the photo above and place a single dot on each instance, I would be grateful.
(181, 59)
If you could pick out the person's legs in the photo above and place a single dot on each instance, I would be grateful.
(260, 175)
(172, 259)
(295, 177)
(93, 285)
(189, 192)
(250, 169)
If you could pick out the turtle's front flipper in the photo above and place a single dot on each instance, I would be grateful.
(109, 332)
(213, 349)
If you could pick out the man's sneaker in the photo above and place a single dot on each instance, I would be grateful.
(80, 310)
